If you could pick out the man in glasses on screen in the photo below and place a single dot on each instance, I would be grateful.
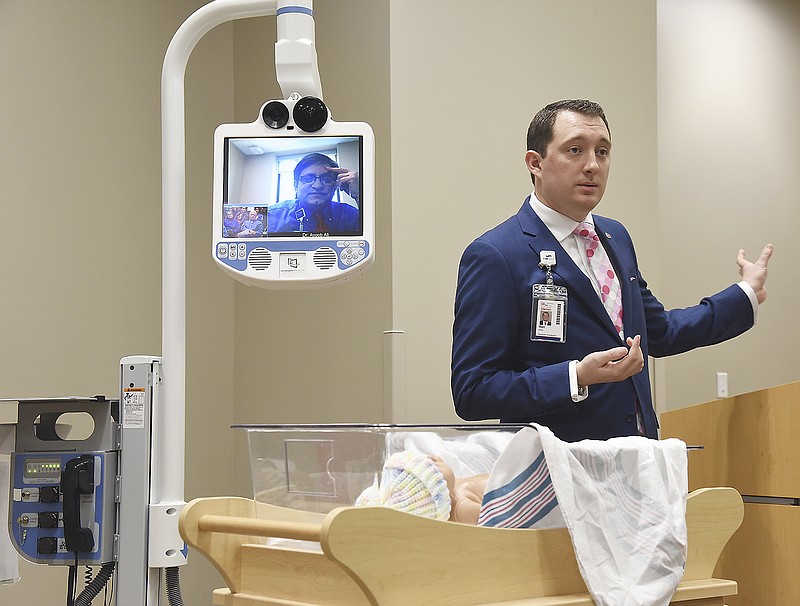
(317, 209)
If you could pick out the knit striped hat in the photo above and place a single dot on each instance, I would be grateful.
(412, 483)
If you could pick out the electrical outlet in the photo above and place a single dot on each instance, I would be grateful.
(722, 384)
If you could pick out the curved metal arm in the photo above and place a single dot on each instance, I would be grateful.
(296, 62)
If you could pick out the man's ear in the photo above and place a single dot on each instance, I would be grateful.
(533, 160)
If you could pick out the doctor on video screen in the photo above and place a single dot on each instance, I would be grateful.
(316, 178)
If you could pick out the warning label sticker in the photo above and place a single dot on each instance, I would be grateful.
(133, 404)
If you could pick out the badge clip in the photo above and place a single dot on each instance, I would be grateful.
(547, 261)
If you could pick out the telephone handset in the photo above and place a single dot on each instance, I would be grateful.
(76, 480)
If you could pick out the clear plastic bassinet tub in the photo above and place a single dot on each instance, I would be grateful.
(320, 467)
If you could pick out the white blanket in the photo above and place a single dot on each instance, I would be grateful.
(475, 453)
(623, 501)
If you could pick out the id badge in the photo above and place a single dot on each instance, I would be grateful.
(549, 313)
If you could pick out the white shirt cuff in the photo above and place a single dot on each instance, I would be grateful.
(577, 393)
(751, 294)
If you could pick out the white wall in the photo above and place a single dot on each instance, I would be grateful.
(729, 80)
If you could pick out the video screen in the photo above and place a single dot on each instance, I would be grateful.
(292, 186)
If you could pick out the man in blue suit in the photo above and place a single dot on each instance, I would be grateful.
(532, 339)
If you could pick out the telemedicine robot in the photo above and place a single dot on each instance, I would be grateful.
(112, 498)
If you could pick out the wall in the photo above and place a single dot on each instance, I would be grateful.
(729, 77)
(457, 83)
(315, 355)
(467, 78)
(80, 163)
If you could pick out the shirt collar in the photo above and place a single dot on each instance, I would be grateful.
(312, 208)
(559, 225)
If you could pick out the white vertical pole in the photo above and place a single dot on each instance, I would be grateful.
(168, 469)
(395, 407)
(295, 54)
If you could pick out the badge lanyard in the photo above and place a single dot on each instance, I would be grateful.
(549, 305)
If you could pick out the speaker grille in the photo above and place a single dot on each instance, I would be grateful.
(259, 259)
(325, 258)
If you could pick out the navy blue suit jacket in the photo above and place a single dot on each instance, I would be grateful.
(498, 372)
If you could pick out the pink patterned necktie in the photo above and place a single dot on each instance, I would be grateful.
(603, 272)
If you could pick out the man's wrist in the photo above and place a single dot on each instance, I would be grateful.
(577, 392)
(751, 295)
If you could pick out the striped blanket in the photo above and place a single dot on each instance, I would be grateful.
(623, 501)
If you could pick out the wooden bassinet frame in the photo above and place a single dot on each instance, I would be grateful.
(376, 556)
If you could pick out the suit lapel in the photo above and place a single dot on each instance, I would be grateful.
(540, 238)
